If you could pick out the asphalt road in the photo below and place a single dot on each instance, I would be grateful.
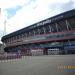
(39, 65)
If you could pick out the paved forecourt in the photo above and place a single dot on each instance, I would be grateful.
(39, 65)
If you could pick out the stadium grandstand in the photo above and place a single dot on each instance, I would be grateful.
(54, 35)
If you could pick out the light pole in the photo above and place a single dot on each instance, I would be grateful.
(4, 22)
(4, 27)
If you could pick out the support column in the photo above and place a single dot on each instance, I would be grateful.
(67, 24)
(39, 30)
(25, 35)
(56, 26)
(50, 28)
(34, 32)
(44, 30)
(29, 34)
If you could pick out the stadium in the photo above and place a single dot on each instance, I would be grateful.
(52, 36)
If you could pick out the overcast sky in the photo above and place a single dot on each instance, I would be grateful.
(22, 13)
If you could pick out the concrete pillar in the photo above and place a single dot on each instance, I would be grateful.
(56, 26)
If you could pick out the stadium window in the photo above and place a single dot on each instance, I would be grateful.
(65, 43)
(44, 29)
(17, 36)
(68, 25)
(22, 35)
(54, 28)
(71, 22)
(59, 28)
(27, 33)
(31, 33)
(72, 42)
(36, 31)
(5, 41)
(47, 28)
(41, 30)
(10, 40)
(14, 38)
(61, 25)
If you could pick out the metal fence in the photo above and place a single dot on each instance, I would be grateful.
(7, 56)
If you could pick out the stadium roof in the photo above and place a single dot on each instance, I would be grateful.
(64, 15)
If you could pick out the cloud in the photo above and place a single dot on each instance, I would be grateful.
(8, 10)
(12, 3)
(12, 11)
(36, 11)
(1, 33)
(22, 13)
(68, 6)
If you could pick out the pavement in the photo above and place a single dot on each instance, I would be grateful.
(39, 65)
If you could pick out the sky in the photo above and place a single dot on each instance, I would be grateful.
(22, 13)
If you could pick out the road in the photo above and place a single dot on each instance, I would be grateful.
(39, 65)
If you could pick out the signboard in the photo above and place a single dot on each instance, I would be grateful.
(49, 20)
